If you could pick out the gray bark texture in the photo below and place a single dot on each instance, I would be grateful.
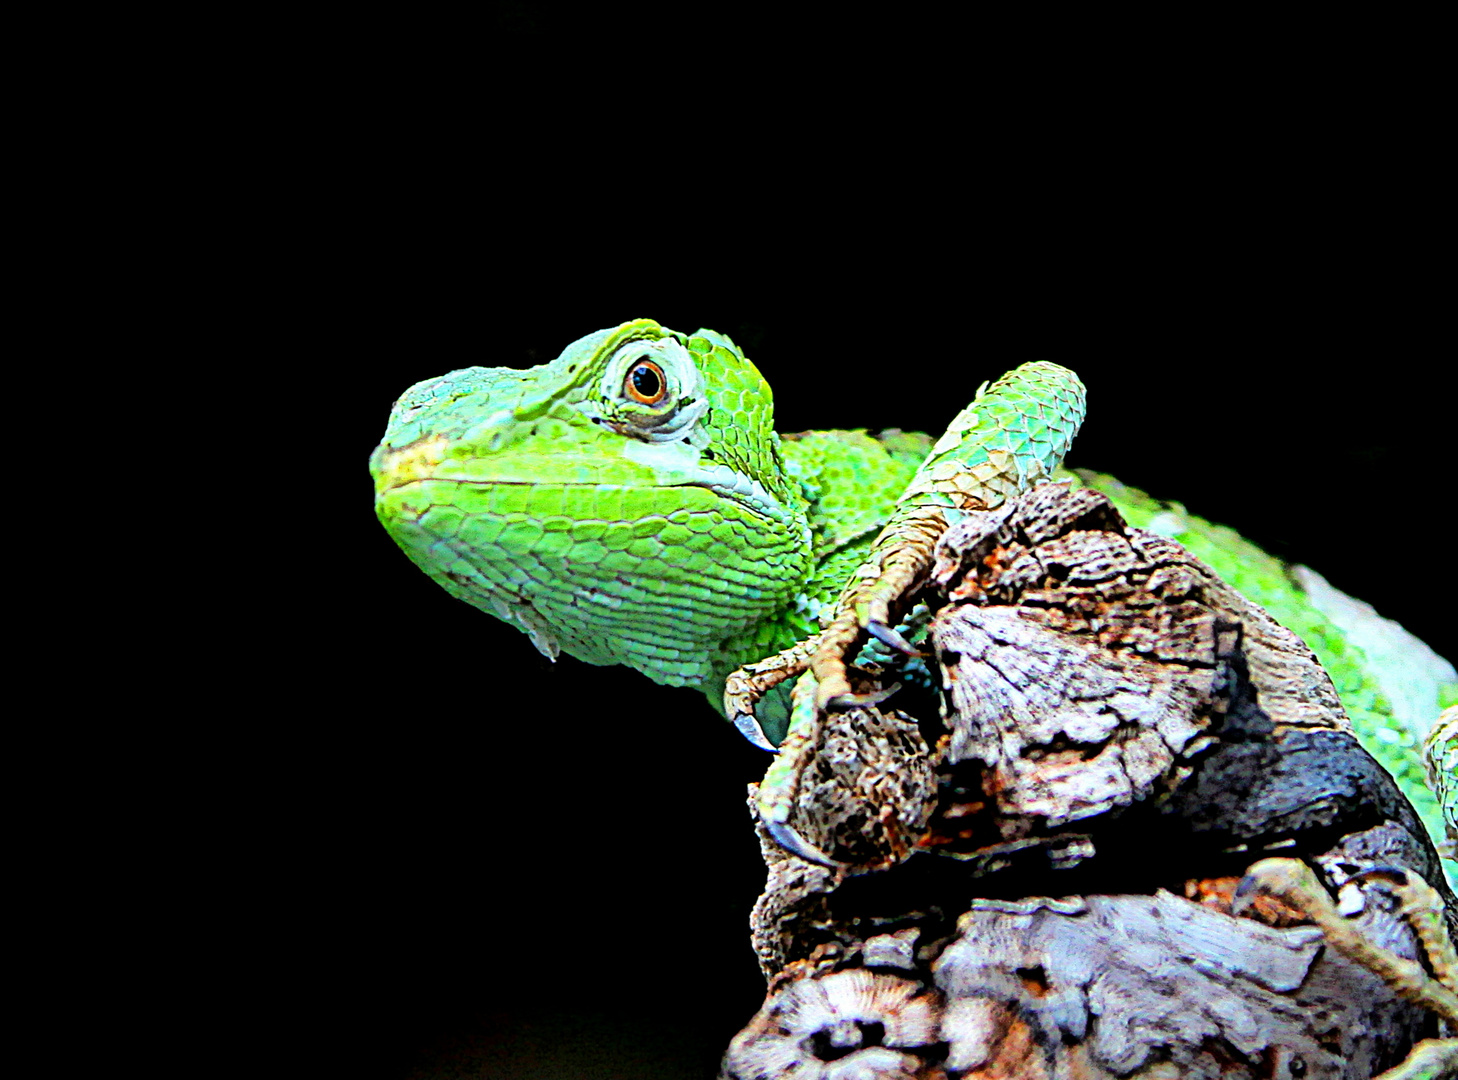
(1037, 881)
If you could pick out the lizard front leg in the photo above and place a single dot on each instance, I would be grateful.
(1013, 435)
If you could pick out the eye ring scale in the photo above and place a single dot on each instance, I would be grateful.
(646, 383)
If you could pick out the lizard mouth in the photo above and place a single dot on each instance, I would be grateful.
(420, 462)
(397, 467)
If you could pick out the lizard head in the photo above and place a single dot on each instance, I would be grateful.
(624, 503)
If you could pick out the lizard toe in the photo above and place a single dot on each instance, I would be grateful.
(749, 727)
(846, 702)
(786, 836)
(887, 636)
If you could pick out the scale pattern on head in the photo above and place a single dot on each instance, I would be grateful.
(651, 383)
(542, 496)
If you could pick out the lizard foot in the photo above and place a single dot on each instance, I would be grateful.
(900, 560)
(780, 788)
(1293, 882)
(1422, 907)
(851, 791)
(898, 563)
(747, 686)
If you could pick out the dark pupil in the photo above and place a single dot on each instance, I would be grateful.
(646, 382)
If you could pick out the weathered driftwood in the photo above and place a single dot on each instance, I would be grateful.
(1043, 891)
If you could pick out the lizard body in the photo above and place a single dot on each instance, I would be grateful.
(629, 502)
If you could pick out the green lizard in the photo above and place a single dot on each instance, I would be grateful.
(630, 503)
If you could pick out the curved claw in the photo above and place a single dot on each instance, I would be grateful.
(748, 726)
(887, 636)
(1397, 875)
(1288, 880)
(842, 702)
(797, 845)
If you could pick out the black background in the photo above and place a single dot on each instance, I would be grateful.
(355, 828)
(445, 856)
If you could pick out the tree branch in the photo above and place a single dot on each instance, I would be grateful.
(1119, 730)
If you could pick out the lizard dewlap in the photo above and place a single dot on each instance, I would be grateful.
(630, 502)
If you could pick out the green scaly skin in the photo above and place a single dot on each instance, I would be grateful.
(681, 536)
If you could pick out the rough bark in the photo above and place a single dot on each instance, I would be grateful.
(1039, 883)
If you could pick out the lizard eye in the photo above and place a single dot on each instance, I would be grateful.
(645, 383)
